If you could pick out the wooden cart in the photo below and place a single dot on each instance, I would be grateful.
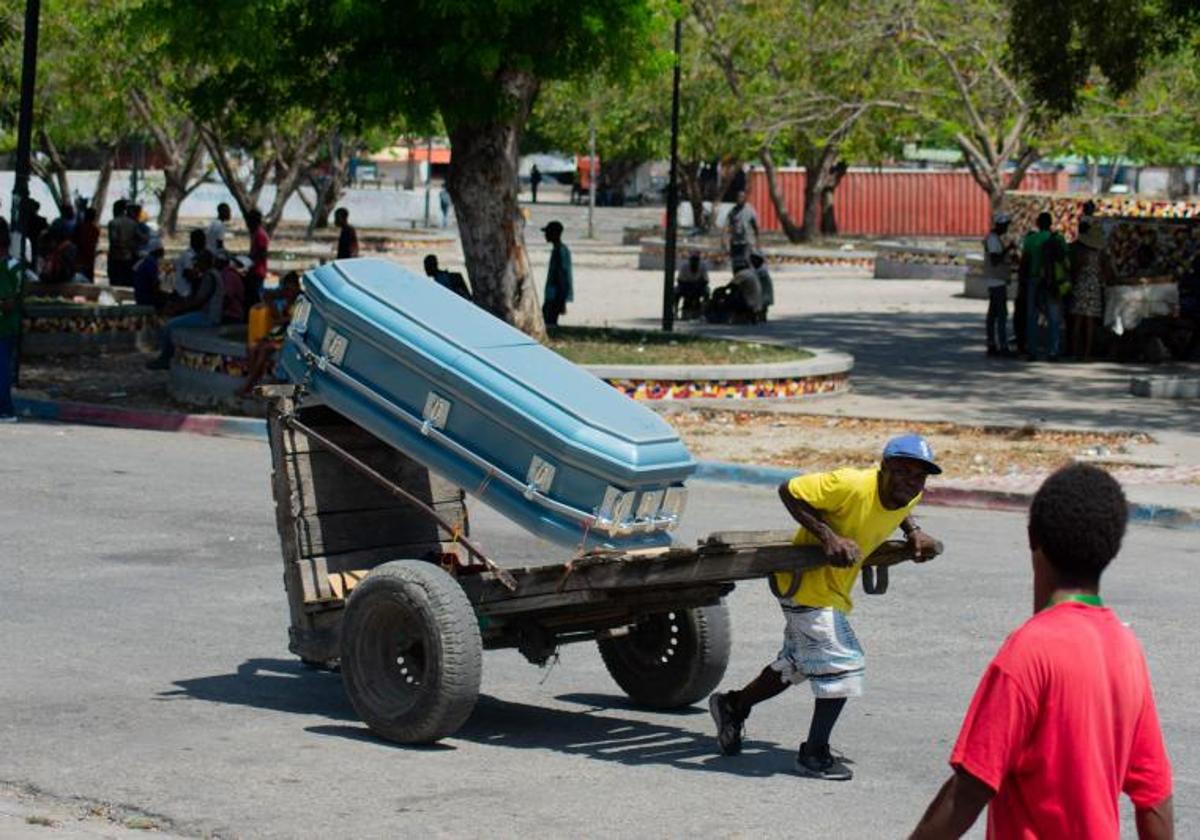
(383, 581)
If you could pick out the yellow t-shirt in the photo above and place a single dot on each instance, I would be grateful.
(848, 501)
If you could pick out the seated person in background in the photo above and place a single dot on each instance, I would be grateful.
(738, 302)
(764, 280)
(1189, 309)
(691, 287)
(262, 354)
(234, 311)
(59, 264)
(197, 244)
(452, 280)
(202, 308)
(146, 291)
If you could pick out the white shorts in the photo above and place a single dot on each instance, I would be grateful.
(820, 646)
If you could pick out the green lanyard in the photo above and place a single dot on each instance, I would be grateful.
(1090, 600)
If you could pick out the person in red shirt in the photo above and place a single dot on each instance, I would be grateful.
(87, 236)
(1063, 721)
(260, 245)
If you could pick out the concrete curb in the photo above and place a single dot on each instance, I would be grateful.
(252, 428)
(93, 414)
(958, 497)
(822, 362)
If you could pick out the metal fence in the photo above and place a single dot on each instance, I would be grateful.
(896, 202)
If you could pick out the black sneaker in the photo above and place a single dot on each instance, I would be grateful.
(729, 723)
(820, 764)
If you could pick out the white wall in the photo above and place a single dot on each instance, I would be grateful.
(368, 207)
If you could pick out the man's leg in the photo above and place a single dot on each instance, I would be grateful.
(167, 347)
(995, 318)
(730, 710)
(1032, 334)
(834, 664)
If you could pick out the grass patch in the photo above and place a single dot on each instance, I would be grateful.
(604, 346)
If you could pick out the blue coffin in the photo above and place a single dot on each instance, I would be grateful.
(541, 440)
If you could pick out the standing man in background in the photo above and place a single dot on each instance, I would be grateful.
(740, 223)
(997, 268)
(347, 244)
(215, 235)
(260, 247)
(560, 286)
(535, 178)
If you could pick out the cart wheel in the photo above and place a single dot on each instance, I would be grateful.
(670, 660)
(411, 653)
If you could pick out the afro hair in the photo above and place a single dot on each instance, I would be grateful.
(1078, 519)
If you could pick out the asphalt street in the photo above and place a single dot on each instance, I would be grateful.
(144, 664)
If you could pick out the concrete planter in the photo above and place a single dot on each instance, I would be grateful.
(911, 262)
(652, 255)
(826, 372)
(209, 365)
(74, 329)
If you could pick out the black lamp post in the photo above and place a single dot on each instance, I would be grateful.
(668, 312)
(24, 143)
(25, 125)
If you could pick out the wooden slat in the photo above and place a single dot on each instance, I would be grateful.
(711, 563)
(326, 485)
(336, 533)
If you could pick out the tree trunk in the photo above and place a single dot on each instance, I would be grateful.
(410, 168)
(790, 229)
(341, 152)
(292, 161)
(1106, 183)
(53, 174)
(103, 179)
(483, 185)
(828, 219)
(692, 189)
(1093, 175)
(179, 178)
(245, 196)
(819, 175)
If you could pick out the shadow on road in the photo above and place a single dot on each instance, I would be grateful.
(593, 731)
(602, 737)
(281, 685)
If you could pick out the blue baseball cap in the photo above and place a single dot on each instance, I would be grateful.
(914, 447)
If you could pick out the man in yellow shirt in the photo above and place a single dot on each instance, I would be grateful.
(849, 513)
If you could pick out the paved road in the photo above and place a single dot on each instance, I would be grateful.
(144, 664)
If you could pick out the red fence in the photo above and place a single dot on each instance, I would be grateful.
(895, 202)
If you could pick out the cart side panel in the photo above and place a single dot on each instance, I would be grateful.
(330, 518)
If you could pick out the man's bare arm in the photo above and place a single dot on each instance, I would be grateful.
(841, 551)
(954, 809)
(1157, 823)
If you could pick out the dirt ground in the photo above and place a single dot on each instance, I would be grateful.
(111, 378)
(813, 442)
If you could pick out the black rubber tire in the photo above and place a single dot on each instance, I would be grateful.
(671, 660)
(411, 657)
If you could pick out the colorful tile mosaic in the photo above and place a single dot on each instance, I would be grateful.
(745, 389)
(86, 324)
(235, 366)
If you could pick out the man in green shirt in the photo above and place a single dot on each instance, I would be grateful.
(1031, 294)
(10, 322)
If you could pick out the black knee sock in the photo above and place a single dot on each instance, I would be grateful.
(763, 687)
(825, 715)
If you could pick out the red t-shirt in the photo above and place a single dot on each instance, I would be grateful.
(1062, 722)
(260, 243)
